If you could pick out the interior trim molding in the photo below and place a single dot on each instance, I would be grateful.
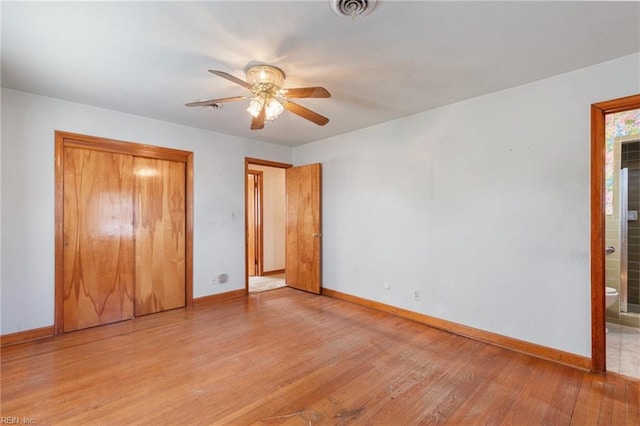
(214, 298)
(269, 163)
(274, 272)
(256, 222)
(49, 331)
(26, 336)
(598, 146)
(538, 351)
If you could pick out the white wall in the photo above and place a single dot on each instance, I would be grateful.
(28, 125)
(481, 206)
(273, 216)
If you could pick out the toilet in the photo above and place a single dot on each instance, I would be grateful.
(611, 295)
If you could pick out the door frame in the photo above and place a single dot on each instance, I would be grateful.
(598, 311)
(67, 139)
(257, 221)
(248, 162)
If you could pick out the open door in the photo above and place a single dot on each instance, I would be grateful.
(304, 228)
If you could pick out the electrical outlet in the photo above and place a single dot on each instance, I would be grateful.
(416, 295)
(387, 286)
(220, 279)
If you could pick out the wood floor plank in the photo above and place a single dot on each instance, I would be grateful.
(541, 400)
(286, 357)
(613, 388)
(491, 401)
(631, 410)
(587, 407)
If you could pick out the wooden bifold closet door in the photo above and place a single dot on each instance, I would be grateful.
(159, 235)
(98, 238)
(123, 233)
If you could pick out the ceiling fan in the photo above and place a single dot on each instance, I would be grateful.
(269, 98)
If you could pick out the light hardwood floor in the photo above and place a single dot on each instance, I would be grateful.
(288, 357)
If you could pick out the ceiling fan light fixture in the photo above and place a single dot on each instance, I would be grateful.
(255, 105)
(266, 82)
(273, 110)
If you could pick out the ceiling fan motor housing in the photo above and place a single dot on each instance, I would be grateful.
(265, 78)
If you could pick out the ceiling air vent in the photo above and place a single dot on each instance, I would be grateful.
(352, 8)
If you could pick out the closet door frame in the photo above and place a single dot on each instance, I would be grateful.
(74, 140)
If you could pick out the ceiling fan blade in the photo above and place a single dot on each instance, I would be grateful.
(307, 92)
(303, 112)
(229, 77)
(258, 122)
(216, 101)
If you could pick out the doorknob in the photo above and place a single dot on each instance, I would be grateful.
(610, 249)
(316, 235)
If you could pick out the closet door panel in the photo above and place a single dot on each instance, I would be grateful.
(159, 202)
(98, 270)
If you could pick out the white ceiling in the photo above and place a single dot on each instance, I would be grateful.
(150, 58)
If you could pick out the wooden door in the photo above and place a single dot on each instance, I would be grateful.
(159, 188)
(98, 268)
(304, 228)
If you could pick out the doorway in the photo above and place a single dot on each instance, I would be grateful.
(302, 227)
(622, 231)
(602, 195)
(265, 224)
